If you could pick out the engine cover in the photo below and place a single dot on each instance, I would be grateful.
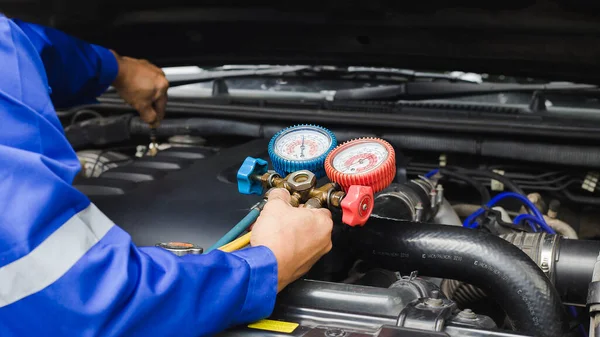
(316, 309)
(183, 194)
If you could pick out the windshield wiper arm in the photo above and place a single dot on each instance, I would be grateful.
(308, 71)
(176, 80)
(435, 90)
(409, 74)
(207, 76)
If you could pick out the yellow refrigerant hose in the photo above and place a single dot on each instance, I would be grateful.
(236, 244)
(244, 240)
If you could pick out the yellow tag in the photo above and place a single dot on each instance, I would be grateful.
(277, 326)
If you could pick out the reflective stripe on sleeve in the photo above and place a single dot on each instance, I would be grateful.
(54, 256)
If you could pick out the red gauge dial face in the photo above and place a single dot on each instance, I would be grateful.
(362, 162)
(361, 157)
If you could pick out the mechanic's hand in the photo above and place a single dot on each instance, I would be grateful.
(298, 237)
(144, 86)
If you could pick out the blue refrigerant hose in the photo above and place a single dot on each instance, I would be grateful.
(237, 230)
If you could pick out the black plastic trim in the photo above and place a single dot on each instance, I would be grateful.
(406, 118)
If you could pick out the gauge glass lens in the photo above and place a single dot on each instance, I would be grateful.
(360, 158)
(302, 144)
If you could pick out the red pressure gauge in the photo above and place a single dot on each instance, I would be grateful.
(364, 161)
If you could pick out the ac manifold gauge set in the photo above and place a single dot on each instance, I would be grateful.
(302, 154)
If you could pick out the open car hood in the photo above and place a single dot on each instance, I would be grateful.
(554, 40)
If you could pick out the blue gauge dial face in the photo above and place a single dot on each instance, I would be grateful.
(302, 143)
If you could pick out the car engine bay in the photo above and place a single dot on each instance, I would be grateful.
(456, 244)
(456, 144)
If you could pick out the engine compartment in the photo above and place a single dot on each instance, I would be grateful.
(198, 195)
(376, 282)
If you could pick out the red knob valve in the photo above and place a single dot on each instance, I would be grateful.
(357, 205)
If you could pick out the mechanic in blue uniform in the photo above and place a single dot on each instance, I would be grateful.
(68, 270)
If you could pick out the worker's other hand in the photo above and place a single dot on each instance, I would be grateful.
(298, 237)
(144, 86)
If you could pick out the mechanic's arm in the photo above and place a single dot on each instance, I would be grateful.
(78, 72)
(63, 262)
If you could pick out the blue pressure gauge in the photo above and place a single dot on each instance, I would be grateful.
(301, 147)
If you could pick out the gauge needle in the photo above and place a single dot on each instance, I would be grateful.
(302, 148)
(357, 164)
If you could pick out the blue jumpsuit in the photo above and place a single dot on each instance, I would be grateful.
(65, 268)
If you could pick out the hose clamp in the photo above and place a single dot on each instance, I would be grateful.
(542, 248)
(548, 255)
(406, 199)
(424, 184)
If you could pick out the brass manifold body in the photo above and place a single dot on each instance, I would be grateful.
(303, 189)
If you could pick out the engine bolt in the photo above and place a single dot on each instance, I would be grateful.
(419, 212)
(467, 314)
(433, 197)
(434, 302)
(440, 194)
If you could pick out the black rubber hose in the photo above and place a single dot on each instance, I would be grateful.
(509, 184)
(220, 127)
(582, 199)
(574, 268)
(198, 126)
(507, 274)
(483, 192)
(584, 155)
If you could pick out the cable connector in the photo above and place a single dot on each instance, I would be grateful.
(443, 160)
(495, 184)
(590, 182)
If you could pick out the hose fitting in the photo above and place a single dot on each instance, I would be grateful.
(356, 204)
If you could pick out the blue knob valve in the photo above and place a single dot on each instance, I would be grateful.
(248, 176)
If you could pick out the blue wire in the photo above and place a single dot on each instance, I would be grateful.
(470, 218)
(431, 173)
(533, 227)
(237, 230)
(542, 223)
(529, 219)
(532, 220)
(520, 197)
